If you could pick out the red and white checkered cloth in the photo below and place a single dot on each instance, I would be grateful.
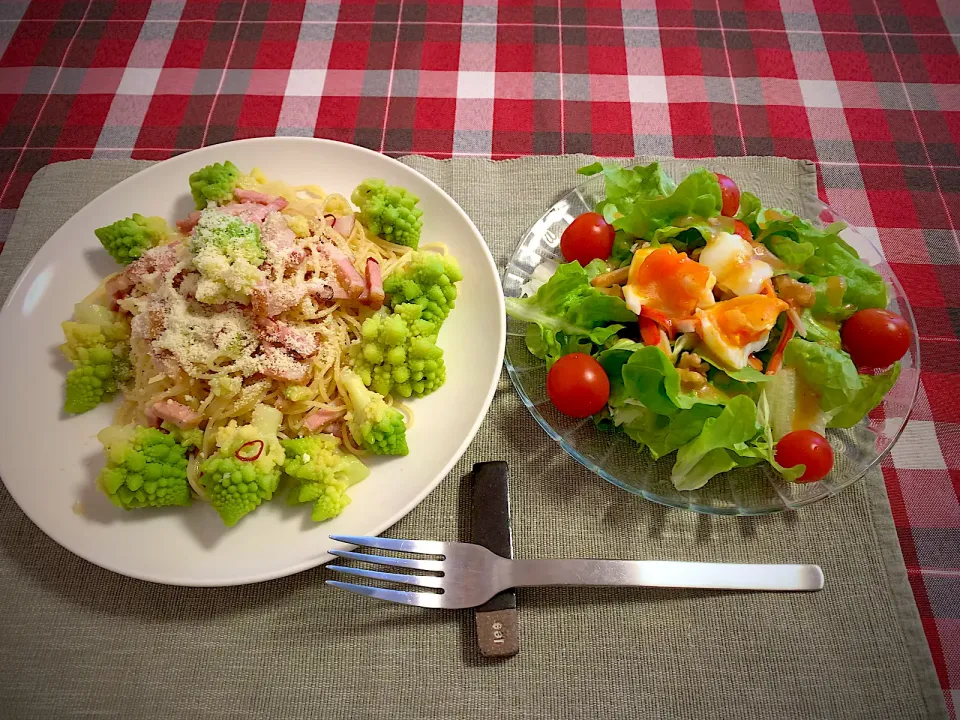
(868, 89)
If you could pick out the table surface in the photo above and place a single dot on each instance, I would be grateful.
(867, 89)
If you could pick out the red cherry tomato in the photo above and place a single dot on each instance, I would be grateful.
(730, 193)
(577, 385)
(740, 228)
(587, 238)
(808, 448)
(875, 338)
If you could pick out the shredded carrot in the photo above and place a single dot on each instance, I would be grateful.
(766, 288)
(660, 319)
(777, 358)
(649, 331)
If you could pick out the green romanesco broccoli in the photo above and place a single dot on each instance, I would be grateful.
(397, 353)
(374, 425)
(146, 467)
(227, 253)
(226, 385)
(389, 212)
(322, 472)
(299, 393)
(245, 470)
(214, 183)
(428, 280)
(97, 343)
(128, 239)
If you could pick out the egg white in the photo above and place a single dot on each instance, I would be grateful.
(728, 353)
(732, 261)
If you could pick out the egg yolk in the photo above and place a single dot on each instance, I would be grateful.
(668, 281)
(745, 319)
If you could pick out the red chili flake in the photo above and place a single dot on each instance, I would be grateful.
(247, 457)
(330, 218)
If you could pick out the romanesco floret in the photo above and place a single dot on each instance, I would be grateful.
(322, 472)
(389, 212)
(299, 224)
(299, 393)
(191, 438)
(374, 425)
(128, 239)
(97, 345)
(245, 470)
(213, 183)
(146, 467)
(225, 385)
(397, 353)
(227, 253)
(428, 280)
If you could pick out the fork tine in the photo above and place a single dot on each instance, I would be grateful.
(435, 565)
(421, 580)
(427, 547)
(406, 598)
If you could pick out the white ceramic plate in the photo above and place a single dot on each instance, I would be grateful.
(49, 460)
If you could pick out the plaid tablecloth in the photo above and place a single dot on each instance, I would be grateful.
(868, 89)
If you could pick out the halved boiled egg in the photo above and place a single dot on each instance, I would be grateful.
(735, 328)
(738, 269)
(668, 281)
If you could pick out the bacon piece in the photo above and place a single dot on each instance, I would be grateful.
(189, 222)
(281, 242)
(276, 332)
(248, 212)
(270, 301)
(352, 281)
(374, 290)
(117, 288)
(253, 196)
(344, 225)
(277, 204)
(320, 418)
(281, 366)
(179, 414)
(158, 260)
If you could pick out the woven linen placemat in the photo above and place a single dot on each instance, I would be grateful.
(76, 640)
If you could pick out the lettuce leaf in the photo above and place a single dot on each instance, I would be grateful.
(686, 237)
(749, 210)
(793, 253)
(865, 287)
(662, 434)
(819, 332)
(867, 398)
(831, 372)
(567, 312)
(714, 450)
(642, 215)
(650, 378)
(642, 182)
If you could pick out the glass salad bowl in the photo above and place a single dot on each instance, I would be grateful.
(612, 455)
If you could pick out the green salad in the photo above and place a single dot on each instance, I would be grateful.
(699, 322)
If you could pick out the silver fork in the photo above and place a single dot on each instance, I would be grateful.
(471, 574)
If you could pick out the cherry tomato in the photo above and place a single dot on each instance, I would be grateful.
(587, 238)
(740, 228)
(808, 448)
(875, 338)
(730, 193)
(577, 385)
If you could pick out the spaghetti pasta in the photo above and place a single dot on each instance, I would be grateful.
(303, 346)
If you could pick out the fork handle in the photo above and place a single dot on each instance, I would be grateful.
(661, 573)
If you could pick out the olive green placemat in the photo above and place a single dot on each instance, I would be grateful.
(76, 640)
